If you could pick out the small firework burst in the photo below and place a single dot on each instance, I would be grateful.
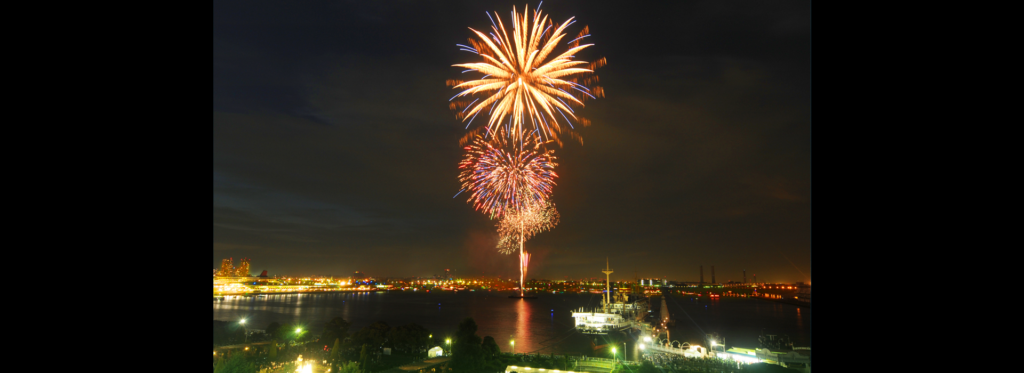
(503, 177)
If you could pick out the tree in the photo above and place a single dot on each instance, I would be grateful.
(336, 351)
(409, 337)
(337, 328)
(373, 335)
(647, 367)
(467, 352)
(364, 358)
(272, 330)
(236, 364)
(349, 367)
(285, 332)
(490, 348)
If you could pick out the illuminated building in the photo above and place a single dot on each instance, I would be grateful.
(447, 274)
(243, 268)
(227, 268)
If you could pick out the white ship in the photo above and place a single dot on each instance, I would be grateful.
(615, 314)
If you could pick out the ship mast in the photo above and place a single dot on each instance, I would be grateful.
(608, 283)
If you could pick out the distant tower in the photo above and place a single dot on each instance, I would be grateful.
(744, 276)
(447, 274)
(701, 275)
(713, 275)
(608, 281)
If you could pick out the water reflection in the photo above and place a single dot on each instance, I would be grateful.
(543, 324)
(523, 335)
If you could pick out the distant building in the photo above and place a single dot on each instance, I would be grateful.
(447, 274)
(358, 276)
(243, 268)
(227, 267)
(713, 275)
(744, 276)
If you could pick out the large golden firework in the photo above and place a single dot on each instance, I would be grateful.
(521, 83)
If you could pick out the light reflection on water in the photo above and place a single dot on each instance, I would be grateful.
(532, 321)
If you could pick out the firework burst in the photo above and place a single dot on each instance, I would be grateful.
(517, 227)
(503, 177)
(522, 83)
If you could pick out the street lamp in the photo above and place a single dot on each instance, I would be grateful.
(449, 343)
(513, 343)
(613, 353)
(245, 331)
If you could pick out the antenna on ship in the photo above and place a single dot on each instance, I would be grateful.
(608, 282)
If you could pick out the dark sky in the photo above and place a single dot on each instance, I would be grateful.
(334, 149)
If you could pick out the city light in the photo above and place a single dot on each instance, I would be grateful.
(242, 321)
(641, 346)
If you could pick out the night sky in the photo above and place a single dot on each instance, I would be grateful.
(334, 149)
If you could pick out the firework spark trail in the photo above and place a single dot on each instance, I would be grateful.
(516, 227)
(504, 178)
(520, 80)
(524, 261)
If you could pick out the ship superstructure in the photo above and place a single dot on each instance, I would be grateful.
(617, 312)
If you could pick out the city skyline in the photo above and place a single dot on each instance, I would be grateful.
(335, 151)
